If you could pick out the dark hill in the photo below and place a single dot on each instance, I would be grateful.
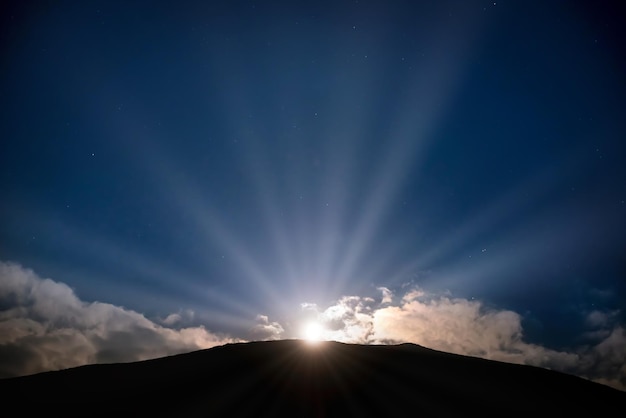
(294, 378)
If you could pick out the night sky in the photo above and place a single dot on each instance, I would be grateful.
(397, 171)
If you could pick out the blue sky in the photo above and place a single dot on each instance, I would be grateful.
(238, 168)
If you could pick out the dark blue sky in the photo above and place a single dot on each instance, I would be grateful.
(246, 157)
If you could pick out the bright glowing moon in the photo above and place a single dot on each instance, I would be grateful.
(312, 331)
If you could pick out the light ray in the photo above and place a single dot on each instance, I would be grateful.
(407, 139)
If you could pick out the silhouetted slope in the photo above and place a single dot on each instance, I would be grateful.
(298, 379)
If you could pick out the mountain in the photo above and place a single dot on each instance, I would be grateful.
(300, 379)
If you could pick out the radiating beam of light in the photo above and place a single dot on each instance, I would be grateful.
(308, 251)
(287, 242)
(144, 269)
(207, 221)
(495, 215)
(267, 195)
(418, 115)
(257, 162)
(405, 136)
(236, 100)
(344, 128)
(189, 200)
(143, 143)
(187, 197)
(310, 248)
(545, 244)
(490, 225)
(315, 248)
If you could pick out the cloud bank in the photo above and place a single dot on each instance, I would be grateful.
(45, 326)
(467, 327)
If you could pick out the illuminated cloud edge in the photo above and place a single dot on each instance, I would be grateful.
(45, 326)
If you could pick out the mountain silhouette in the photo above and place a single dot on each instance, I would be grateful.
(299, 379)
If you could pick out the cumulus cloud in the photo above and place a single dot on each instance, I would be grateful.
(45, 326)
(468, 327)
(172, 319)
(178, 318)
(266, 330)
(387, 295)
(606, 362)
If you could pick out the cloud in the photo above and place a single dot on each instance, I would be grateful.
(45, 326)
(606, 362)
(172, 319)
(387, 295)
(599, 319)
(468, 327)
(266, 330)
(178, 318)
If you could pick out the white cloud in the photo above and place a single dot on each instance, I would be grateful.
(349, 320)
(412, 294)
(387, 295)
(266, 330)
(172, 319)
(178, 318)
(45, 326)
(467, 327)
(464, 327)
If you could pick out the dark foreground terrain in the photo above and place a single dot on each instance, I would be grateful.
(297, 379)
